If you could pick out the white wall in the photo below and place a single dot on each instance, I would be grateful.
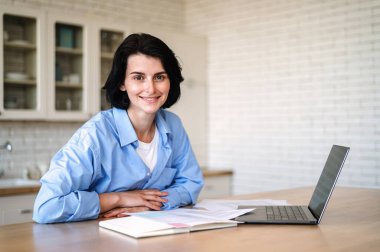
(287, 79)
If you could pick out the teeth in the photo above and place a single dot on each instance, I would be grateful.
(149, 99)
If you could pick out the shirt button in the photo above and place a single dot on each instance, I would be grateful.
(148, 173)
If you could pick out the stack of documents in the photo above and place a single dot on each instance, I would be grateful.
(208, 214)
(182, 220)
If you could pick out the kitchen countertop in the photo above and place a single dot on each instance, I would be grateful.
(17, 186)
(11, 191)
(215, 173)
(27, 189)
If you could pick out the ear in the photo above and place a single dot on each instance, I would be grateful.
(122, 88)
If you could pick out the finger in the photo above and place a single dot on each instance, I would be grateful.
(132, 210)
(155, 192)
(114, 212)
(159, 204)
(153, 205)
(154, 198)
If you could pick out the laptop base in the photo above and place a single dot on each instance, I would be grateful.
(260, 216)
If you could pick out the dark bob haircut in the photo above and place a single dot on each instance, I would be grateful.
(150, 46)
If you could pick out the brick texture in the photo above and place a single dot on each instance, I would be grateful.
(286, 80)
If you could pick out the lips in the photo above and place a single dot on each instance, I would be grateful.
(150, 99)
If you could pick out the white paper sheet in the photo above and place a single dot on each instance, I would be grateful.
(225, 205)
(191, 217)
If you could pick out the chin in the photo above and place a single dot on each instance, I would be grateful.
(151, 110)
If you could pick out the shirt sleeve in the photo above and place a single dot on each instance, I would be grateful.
(64, 194)
(188, 181)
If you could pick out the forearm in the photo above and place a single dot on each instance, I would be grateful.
(149, 198)
(75, 206)
(108, 201)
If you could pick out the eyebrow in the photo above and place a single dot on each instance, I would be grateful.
(163, 72)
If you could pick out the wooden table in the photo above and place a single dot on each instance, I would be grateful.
(351, 223)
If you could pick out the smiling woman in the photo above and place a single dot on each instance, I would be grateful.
(133, 157)
(146, 84)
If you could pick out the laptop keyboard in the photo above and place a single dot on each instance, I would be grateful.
(285, 213)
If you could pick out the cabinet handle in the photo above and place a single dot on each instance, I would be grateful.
(25, 211)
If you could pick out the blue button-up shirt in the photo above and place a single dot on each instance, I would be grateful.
(101, 157)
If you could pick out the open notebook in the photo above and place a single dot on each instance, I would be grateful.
(156, 223)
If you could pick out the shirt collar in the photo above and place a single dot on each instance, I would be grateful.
(127, 134)
(162, 126)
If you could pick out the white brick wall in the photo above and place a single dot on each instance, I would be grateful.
(287, 79)
(34, 143)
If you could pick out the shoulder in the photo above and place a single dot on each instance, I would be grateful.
(170, 117)
(98, 126)
(171, 124)
(170, 121)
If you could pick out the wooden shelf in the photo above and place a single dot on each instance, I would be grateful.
(19, 45)
(67, 85)
(72, 51)
(20, 82)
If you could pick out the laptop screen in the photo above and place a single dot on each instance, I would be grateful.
(327, 180)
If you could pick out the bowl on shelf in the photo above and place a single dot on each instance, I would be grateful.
(16, 76)
(11, 104)
(19, 42)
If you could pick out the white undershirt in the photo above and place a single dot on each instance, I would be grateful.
(148, 151)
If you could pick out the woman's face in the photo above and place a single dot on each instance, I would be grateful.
(146, 83)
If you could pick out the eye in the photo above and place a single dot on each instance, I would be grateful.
(160, 77)
(138, 77)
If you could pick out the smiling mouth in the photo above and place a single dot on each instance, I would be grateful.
(150, 99)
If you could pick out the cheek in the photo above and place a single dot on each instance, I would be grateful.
(166, 88)
(131, 88)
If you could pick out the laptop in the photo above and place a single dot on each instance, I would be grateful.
(311, 214)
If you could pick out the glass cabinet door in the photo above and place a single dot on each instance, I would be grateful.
(68, 67)
(19, 63)
(22, 86)
(109, 41)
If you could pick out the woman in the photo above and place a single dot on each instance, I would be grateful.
(133, 157)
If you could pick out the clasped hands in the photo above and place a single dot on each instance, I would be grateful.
(118, 204)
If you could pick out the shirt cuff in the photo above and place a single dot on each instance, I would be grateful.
(176, 198)
(89, 206)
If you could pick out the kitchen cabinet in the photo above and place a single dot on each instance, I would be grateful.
(23, 87)
(218, 184)
(108, 36)
(68, 68)
(45, 71)
(63, 61)
(16, 209)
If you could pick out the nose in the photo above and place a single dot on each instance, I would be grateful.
(149, 85)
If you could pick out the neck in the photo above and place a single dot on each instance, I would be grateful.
(143, 125)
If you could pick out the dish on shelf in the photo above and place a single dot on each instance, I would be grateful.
(19, 42)
(16, 76)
